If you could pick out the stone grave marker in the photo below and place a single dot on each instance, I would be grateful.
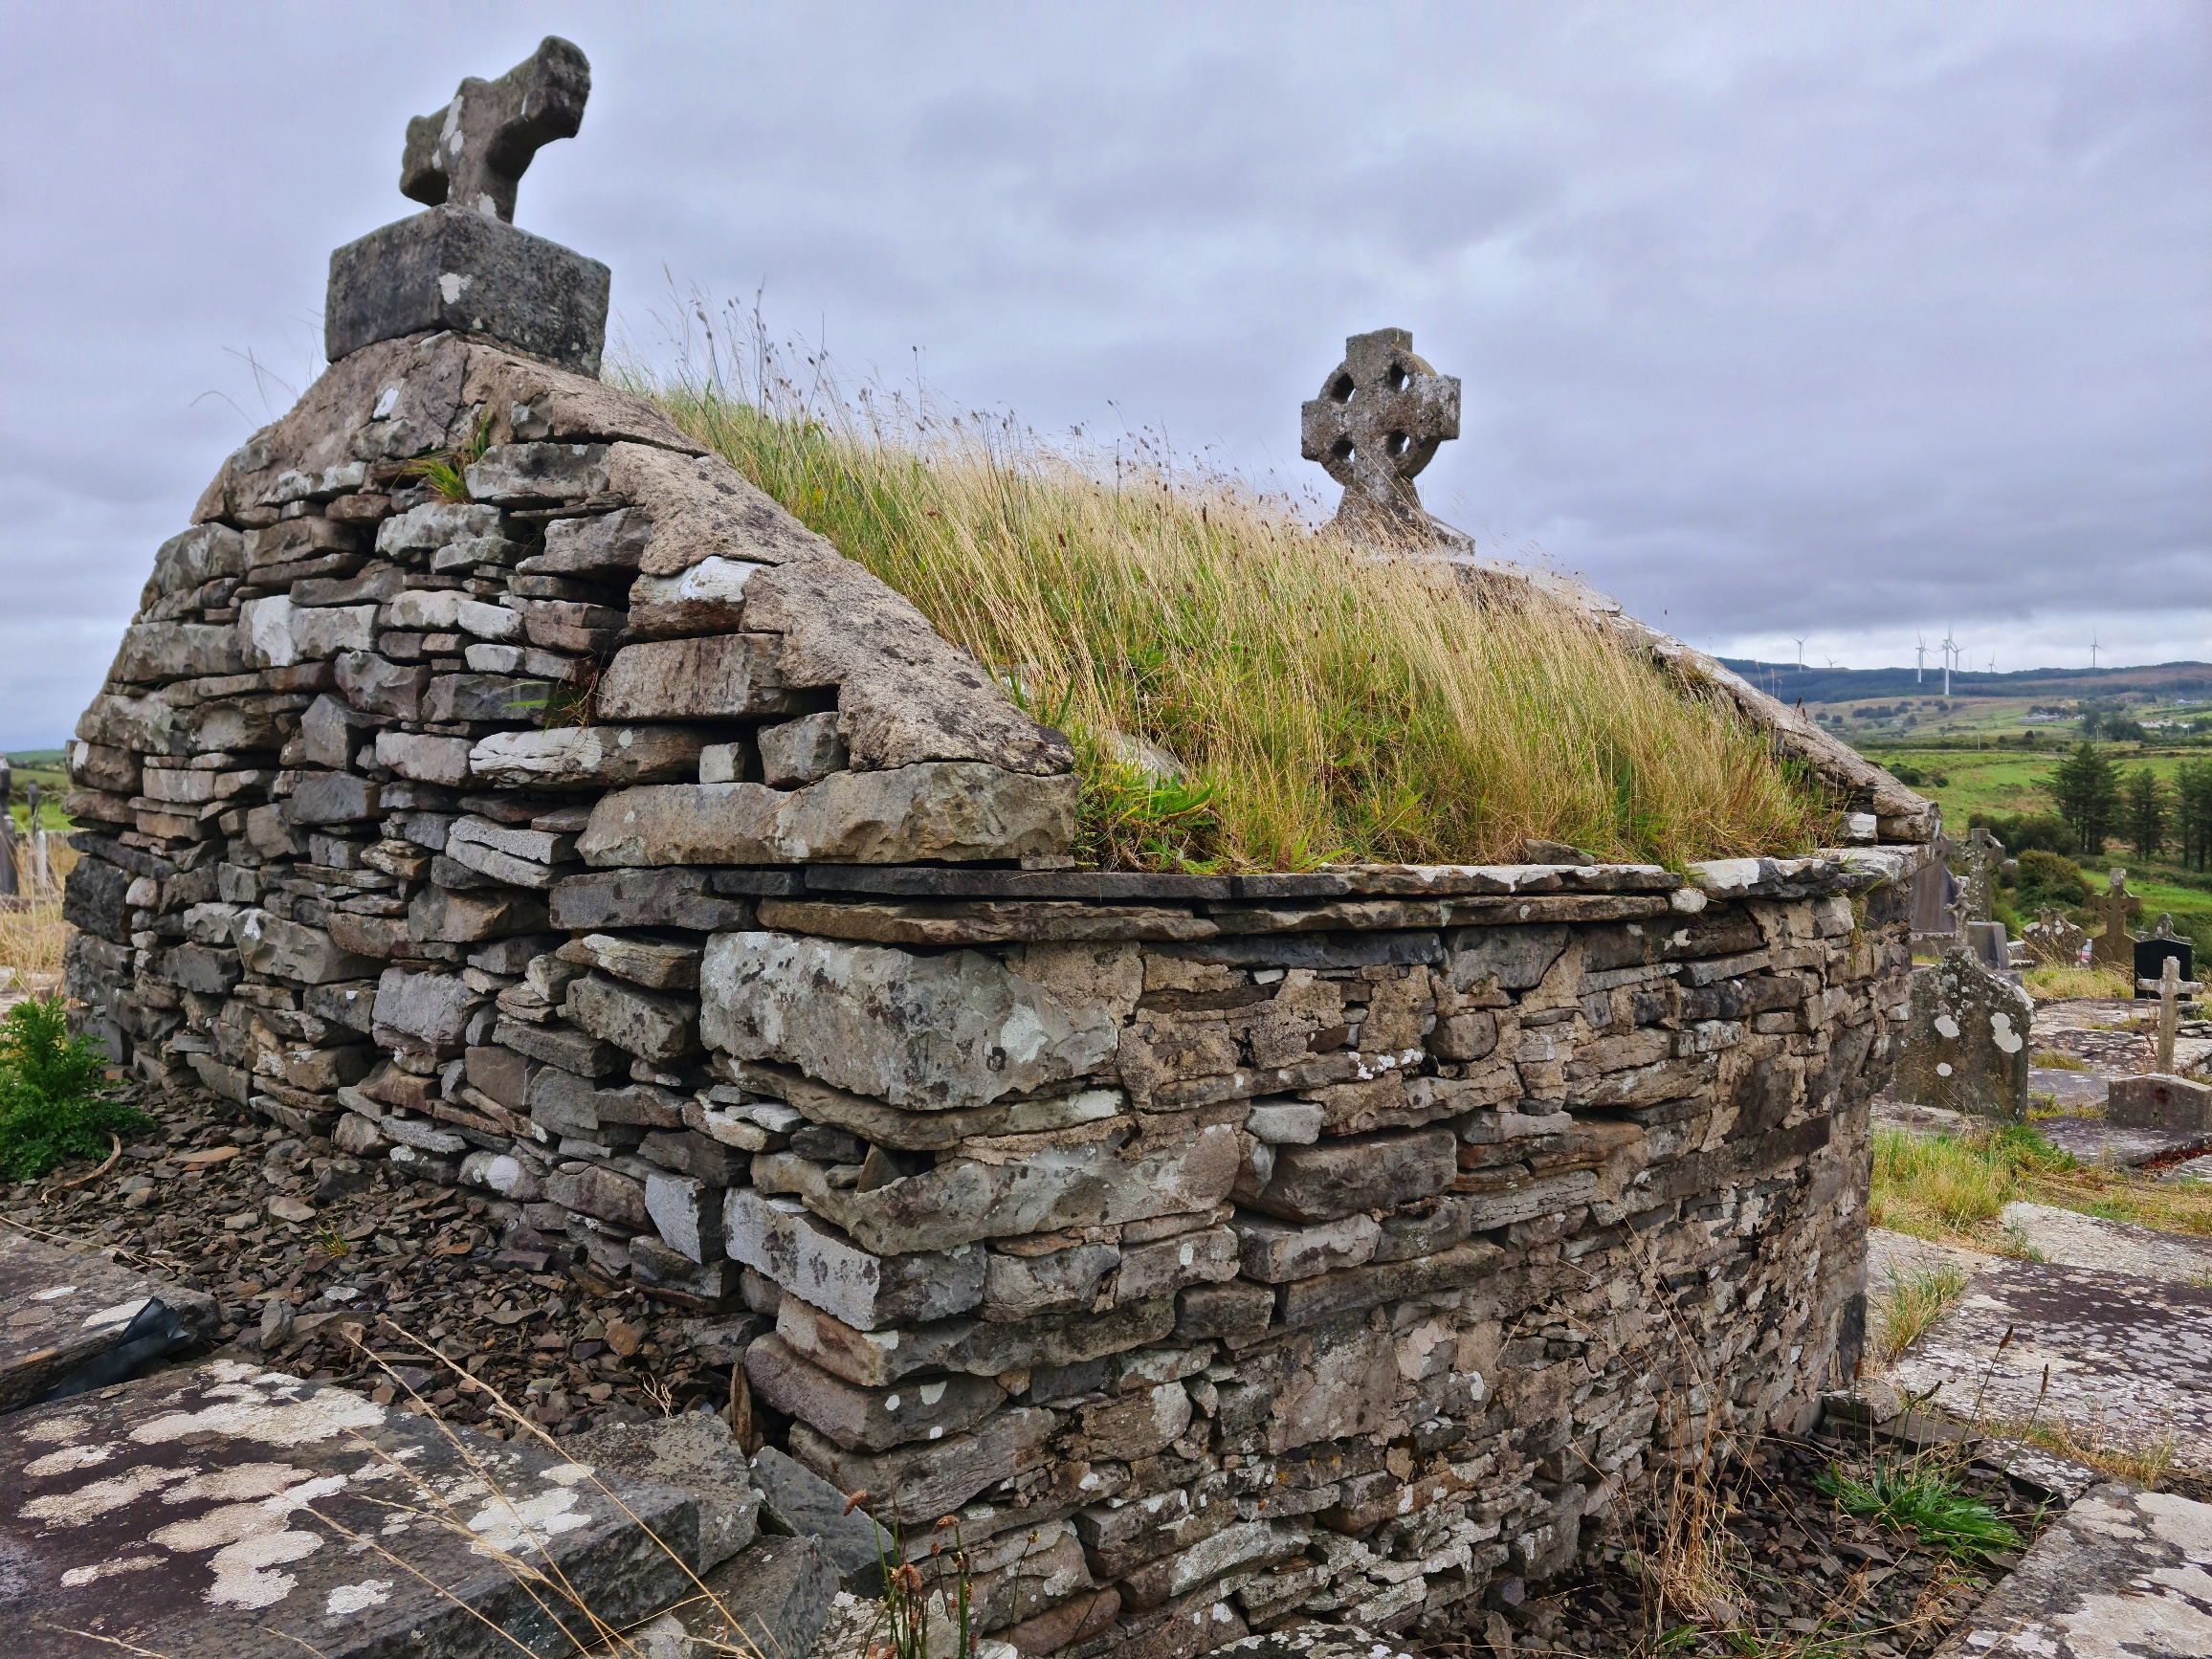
(1985, 852)
(2114, 947)
(1965, 1045)
(2164, 945)
(2169, 986)
(2052, 938)
(1381, 413)
(81, 1322)
(462, 265)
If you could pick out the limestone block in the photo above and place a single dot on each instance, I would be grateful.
(1513, 957)
(423, 1012)
(1337, 1383)
(801, 751)
(98, 767)
(530, 474)
(649, 963)
(508, 853)
(933, 1477)
(557, 1046)
(1338, 1178)
(562, 1103)
(499, 697)
(948, 812)
(605, 545)
(1138, 1424)
(919, 1031)
(1049, 1185)
(427, 760)
(722, 676)
(661, 1028)
(646, 898)
(332, 798)
(868, 1419)
(669, 1143)
(433, 524)
(865, 1290)
(594, 1191)
(602, 757)
(1274, 1252)
(288, 950)
(707, 598)
(1153, 1270)
(156, 652)
(687, 1213)
(377, 685)
(444, 610)
(440, 914)
(692, 1451)
(201, 554)
(1024, 1286)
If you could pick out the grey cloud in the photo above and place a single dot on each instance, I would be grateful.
(1855, 320)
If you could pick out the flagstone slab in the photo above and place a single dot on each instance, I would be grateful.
(2075, 1240)
(226, 1512)
(2122, 1573)
(2129, 1358)
(67, 1316)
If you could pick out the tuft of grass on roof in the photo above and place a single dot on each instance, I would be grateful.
(1244, 691)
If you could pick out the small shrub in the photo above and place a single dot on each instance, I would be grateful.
(2050, 878)
(1912, 1301)
(53, 1106)
(2024, 832)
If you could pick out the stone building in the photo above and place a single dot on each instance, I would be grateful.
(1224, 1250)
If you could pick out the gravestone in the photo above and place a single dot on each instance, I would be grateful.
(2159, 1100)
(1381, 413)
(1992, 947)
(2114, 947)
(2169, 988)
(2162, 947)
(1965, 1045)
(1983, 853)
(462, 265)
(2052, 938)
(1935, 896)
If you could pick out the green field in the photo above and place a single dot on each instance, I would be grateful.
(45, 768)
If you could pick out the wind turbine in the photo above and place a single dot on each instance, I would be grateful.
(1919, 657)
(1800, 645)
(2092, 653)
(1950, 648)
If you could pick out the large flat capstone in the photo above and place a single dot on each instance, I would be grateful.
(231, 1513)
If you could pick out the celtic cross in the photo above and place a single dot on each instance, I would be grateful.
(1380, 417)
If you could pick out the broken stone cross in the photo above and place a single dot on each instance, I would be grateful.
(1985, 852)
(2115, 946)
(2170, 987)
(473, 152)
(1381, 413)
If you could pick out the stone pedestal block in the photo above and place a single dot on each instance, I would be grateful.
(455, 268)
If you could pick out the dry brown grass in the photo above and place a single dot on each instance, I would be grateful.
(32, 936)
(1324, 703)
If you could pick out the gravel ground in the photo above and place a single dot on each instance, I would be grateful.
(1812, 1582)
(310, 1252)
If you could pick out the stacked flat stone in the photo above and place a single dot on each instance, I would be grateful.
(1224, 1251)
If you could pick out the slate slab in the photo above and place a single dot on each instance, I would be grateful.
(68, 1318)
(800, 1503)
(2087, 1241)
(774, 1600)
(231, 1513)
(2122, 1572)
(2127, 1356)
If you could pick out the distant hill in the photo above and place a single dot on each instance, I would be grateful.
(2165, 682)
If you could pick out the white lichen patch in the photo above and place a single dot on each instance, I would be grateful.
(251, 1540)
(350, 1599)
(88, 1503)
(2001, 1034)
(63, 1428)
(505, 1527)
(75, 1577)
(55, 1294)
(67, 1459)
(239, 1483)
(1947, 1025)
(255, 1407)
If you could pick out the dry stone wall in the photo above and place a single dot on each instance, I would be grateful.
(1224, 1250)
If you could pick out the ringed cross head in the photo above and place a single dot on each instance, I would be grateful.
(1381, 415)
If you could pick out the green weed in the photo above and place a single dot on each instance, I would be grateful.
(52, 1102)
(1923, 1495)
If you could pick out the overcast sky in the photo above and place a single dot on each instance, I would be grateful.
(1849, 321)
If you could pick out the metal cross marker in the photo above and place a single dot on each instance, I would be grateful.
(2170, 987)
(1381, 414)
(473, 152)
